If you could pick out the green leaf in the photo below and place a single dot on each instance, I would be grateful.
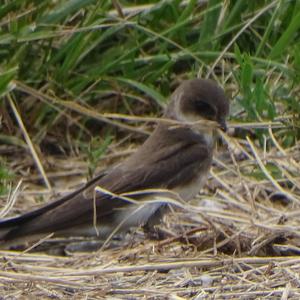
(238, 54)
(6, 78)
(210, 22)
(259, 97)
(145, 89)
(247, 74)
(63, 10)
(281, 46)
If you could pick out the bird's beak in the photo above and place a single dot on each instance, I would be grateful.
(223, 125)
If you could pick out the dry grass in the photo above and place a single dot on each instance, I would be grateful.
(238, 239)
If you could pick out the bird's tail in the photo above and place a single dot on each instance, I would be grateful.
(12, 235)
(7, 229)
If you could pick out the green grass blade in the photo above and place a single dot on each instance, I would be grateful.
(145, 89)
(281, 45)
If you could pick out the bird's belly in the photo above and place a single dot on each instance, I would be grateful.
(136, 215)
(129, 216)
(189, 190)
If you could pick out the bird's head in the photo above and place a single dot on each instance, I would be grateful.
(199, 100)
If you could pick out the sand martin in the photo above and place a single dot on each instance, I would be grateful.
(177, 156)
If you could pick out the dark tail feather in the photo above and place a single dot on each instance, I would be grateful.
(8, 227)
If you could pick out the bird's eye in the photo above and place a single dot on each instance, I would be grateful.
(205, 109)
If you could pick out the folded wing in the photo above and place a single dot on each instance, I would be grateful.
(167, 166)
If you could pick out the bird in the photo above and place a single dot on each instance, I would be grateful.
(176, 157)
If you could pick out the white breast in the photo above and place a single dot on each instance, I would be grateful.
(189, 191)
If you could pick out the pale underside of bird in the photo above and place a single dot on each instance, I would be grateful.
(176, 157)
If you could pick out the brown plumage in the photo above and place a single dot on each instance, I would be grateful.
(175, 157)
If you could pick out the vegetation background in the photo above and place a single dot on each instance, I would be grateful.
(65, 63)
(74, 74)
